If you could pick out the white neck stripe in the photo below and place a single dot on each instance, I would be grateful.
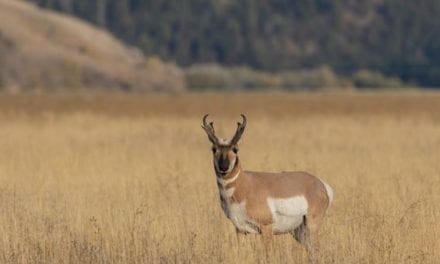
(228, 181)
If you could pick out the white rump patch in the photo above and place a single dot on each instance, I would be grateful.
(329, 191)
(287, 213)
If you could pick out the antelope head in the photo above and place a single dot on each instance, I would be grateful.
(224, 151)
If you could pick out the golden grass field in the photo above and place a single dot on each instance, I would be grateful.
(129, 179)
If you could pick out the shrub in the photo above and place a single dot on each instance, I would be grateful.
(313, 79)
(213, 76)
(372, 79)
(246, 78)
(208, 76)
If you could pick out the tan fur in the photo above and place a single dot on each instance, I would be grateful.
(256, 187)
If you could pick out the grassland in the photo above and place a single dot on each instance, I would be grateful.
(128, 179)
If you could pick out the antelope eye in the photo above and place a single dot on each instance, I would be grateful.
(235, 150)
(214, 149)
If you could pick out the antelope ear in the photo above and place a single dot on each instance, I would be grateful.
(213, 148)
(235, 149)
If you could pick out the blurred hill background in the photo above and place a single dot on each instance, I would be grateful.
(225, 44)
(43, 50)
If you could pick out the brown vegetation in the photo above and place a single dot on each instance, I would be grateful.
(213, 76)
(44, 51)
(125, 179)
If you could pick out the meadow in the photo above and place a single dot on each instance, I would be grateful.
(129, 178)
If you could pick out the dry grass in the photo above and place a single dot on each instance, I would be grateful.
(122, 179)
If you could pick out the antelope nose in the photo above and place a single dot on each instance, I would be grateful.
(223, 164)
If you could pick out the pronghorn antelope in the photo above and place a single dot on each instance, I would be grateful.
(267, 203)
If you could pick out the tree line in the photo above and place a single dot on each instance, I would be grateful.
(396, 38)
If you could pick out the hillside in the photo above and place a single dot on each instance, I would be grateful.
(394, 37)
(44, 50)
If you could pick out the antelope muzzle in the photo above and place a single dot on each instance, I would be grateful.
(223, 164)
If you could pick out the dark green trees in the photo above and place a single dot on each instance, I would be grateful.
(394, 37)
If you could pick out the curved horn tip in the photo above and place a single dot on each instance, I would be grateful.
(204, 117)
(244, 118)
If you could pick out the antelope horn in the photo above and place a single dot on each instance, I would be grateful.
(239, 132)
(209, 129)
